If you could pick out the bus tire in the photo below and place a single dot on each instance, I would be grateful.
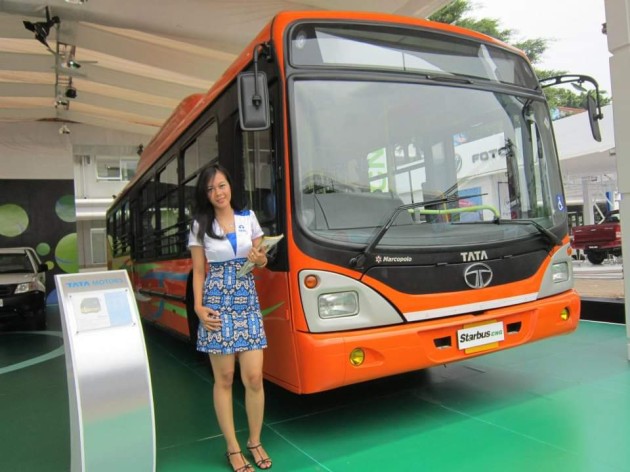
(193, 319)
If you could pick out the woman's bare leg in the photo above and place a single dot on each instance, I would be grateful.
(251, 365)
(223, 370)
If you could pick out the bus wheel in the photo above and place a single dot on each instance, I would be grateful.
(193, 320)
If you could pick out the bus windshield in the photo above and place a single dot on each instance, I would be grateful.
(364, 148)
(334, 46)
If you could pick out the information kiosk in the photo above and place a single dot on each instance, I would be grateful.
(112, 424)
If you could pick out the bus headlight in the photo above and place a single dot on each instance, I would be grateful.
(560, 272)
(336, 305)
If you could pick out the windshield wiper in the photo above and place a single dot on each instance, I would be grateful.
(358, 260)
(449, 78)
(549, 236)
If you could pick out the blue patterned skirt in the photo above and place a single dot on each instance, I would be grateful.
(236, 300)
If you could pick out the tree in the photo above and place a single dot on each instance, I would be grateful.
(559, 97)
(455, 14)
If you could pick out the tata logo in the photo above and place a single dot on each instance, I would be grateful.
(80, 284)
(478, 275)
(474, 256)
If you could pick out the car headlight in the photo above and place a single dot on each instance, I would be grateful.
(560, 272)
(25, 287)
(336, 305)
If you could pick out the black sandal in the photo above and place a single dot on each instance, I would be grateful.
(262, 461)
(247, 467)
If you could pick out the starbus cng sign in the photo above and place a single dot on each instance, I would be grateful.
(480, 335)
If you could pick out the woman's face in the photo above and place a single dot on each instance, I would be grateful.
(219, 191)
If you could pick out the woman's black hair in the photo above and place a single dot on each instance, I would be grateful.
(203, 211)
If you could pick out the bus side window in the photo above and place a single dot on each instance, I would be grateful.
(258, 178)
(201, 152)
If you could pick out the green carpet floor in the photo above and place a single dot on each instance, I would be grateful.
(558, 405)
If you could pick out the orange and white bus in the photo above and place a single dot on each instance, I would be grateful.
(412, 169)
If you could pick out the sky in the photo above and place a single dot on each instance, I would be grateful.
(573, 29)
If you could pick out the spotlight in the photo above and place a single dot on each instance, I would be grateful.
(140, 150)
(42, 28)
(64, 129)
(62, 102)
(68, 51)
(71, 92)
(72, 64)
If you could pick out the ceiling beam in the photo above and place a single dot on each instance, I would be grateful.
(27, 114)
(138, 83)
(27, 90)
(26, 62)
(142, 52)
(126, 106)
(85, 118)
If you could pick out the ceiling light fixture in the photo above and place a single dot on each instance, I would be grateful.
(62, 102)
(42, 28)
(66, 56)
(71, 92)
(77, 2)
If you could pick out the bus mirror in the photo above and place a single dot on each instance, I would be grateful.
(253, 101)
(593, 117)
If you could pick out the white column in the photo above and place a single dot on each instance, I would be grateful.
(587, 197)
(618, 33)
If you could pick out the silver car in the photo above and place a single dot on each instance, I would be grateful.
(22, 287)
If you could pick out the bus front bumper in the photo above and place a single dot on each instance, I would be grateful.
(326, 360)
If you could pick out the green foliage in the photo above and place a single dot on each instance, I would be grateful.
(455, 14)
(563, 98)
(558, 97)
(533, 48)
(489, 26)
(452, 13)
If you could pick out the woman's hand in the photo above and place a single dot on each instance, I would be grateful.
(258, 256)
(209, 318)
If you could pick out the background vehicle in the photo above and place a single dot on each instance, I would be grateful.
(600, 240)
(22, 287)
(411, 167)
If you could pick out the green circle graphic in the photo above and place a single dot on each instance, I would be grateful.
(65, 209)
(13, 220)
(67, 254)
(43, 249)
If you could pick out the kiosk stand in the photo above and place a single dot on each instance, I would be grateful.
(112, 425)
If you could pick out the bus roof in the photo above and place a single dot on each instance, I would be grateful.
(192, 106)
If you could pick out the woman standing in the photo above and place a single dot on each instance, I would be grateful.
(222, 238)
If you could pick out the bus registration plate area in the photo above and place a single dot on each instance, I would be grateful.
(476, 337)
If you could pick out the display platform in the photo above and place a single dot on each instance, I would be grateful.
(557, 405)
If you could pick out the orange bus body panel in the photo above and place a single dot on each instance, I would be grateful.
(158, 285)
(305, 362)
(325, 363)
(281, 363)
(189, 110)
